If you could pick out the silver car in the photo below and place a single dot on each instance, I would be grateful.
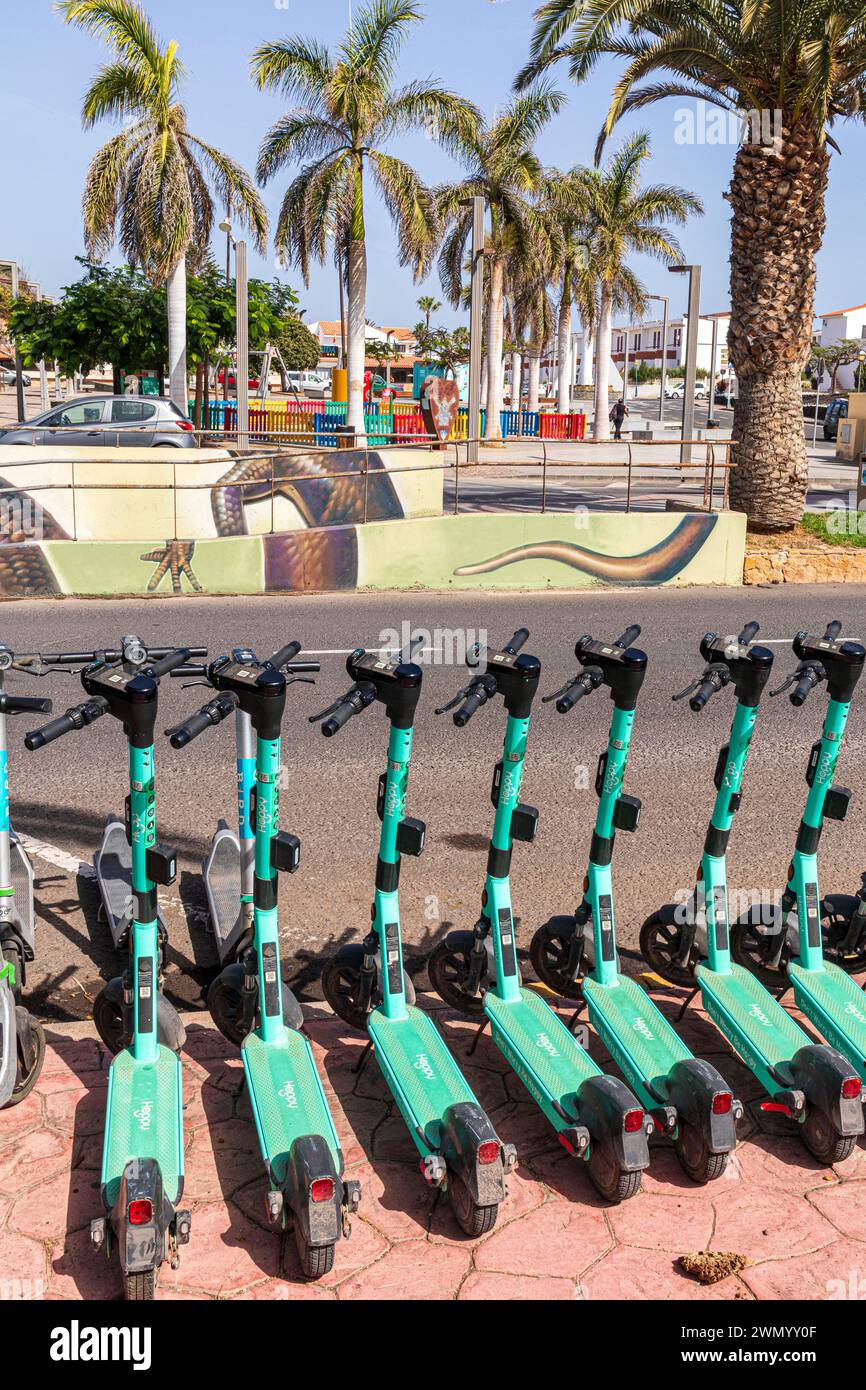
(105, 421)
(8, 377)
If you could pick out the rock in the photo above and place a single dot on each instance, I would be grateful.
(711, 1266)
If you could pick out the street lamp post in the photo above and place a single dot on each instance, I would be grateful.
(666, 302)
(625, 371)
(242, 335)
(19, 369)
(694, 311)
(476, 326)
(711, 408)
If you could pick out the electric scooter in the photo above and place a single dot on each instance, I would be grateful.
(688, 1099)
(810, 1083)
(297, 1137)
(596, 1117)
(825, 993)
(22, 1040)
(113, 859)
(142, 1158)
(460, 1150)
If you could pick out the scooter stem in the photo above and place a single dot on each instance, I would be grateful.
(265, 910)
(6, 900)
(386, 900)
(246, 769)
(731, 768)
(144, 935)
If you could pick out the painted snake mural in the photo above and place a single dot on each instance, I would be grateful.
(658, 565)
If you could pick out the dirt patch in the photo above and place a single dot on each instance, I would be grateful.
(712, 1266)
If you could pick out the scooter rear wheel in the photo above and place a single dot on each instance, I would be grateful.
(822, 1138)
(108, 1016)
(659, 943)
(472, 1218)
(28, 1075)
(225, 1002)
(696, 1159)
(341, 984)
(448, 968)
(610, 1180)
(549, 951)
(140, 1288)
(315, 1260)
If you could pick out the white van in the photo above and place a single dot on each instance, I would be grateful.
(314, 385)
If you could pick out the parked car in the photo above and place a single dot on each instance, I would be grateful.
(837, 410)
(253, 383)
(314, 385)
(103, 421)
(677, 391)
(8, 377)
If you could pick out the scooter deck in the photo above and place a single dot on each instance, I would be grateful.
(8, 1042)
(114, 873)
(144, 1119)
(546, 1056)
(222, 877)
(836, 1005)
(22, 888)
(637, 1034)
(421, 1072)
(739, 1002)
(287, 1097)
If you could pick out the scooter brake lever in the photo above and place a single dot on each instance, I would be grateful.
(688, 690)
(546, 699)
(461, 695)
(302, 680)
(332, 709)
(786, 684)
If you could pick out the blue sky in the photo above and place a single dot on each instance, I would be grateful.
(475, 46)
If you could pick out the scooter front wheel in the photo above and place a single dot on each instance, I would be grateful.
(612, 1182)
(823, 1139)
(754, 942)
(110, 1020)
(697, 1160)
(225, 1002)
(316, 1260)
(659, 943)
(837, 911)
(549, 951)
(341, 986)
(30, 1066)
(472, 1218)
(448, 967)
(140, 1288)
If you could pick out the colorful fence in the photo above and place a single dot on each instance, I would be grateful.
(319, 421)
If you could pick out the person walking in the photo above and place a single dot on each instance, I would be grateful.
(616, 417)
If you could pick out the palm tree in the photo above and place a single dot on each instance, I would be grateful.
(349, 110)
(429, 305)
(150, 186)
(796, 68)
(502, 168)
(623, 217)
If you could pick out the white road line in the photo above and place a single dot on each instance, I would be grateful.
(51, 854)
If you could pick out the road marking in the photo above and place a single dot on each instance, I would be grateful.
(51, 854)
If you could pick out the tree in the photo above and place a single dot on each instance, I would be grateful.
(298, 346)
(623, 217)
(349, 111)
(832, 356)
(150, 185)
(429, 305)
(502, 168)
(443, 349)
(796, 69)
(383, 352)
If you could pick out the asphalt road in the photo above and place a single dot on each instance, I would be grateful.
(62, 794)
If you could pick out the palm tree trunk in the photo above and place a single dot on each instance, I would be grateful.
(356, 338)
(777, 227)
(495, 340)
(534, 382)
(585, 377)
(176, 292)
(516, 379)
(601, 409)
(563, 390)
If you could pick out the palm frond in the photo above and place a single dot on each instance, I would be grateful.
(413, 209)
(236, 190)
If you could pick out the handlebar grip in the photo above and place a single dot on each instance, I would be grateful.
(473, 702)
(748, 633)
(78, 717)
(703, 693)
(519, 639)
(164, 664)
(630, 635)
(805, 685)
(336, 721)
(297, 668)
(188, 670)
(833, 630)
(190, 729)
(18, 704)
(575, 692)
(285, 654)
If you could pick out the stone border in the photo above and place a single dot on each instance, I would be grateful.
(819, 564)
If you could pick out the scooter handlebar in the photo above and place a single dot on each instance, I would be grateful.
(473, 702)
(514, 644)
(748, 634)
(168, 663)
(833, 630)
(339, 719)
(630, 635)
(704, 692)
(20, 704)
(211, 714)
(804, 687)
(570, 697)
(79, 717)
(284, 655)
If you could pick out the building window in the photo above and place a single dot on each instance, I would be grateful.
(657, 338)
(619, 342)
(637, 342)
(678, 337)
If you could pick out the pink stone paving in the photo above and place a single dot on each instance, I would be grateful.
(801, 1228)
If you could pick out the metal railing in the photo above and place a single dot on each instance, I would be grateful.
(281, 477)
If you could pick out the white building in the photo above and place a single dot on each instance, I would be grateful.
(645, 345)
(835, 326)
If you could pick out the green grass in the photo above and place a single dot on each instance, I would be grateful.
(843, 527)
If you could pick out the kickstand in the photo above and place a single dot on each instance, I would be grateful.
(476, 1040)
(686, 1004)
(363, 1059)
(575, 1016)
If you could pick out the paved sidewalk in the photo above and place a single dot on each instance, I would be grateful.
(802, 1228)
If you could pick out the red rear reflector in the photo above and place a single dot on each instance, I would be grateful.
(633, 1121)
(851, 1088)
(140, 1213)
(722, 1102)
(322, 1190)
(489, 1152)
(776, 1106)
(566, 1143)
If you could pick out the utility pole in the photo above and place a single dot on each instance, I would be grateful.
(711, 409)
(694, 316)
(476, 326)
(665, 300)
(19, 384)
(242, 368)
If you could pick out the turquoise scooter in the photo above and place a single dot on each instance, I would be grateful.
(249, 1001)
(142, 1159)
